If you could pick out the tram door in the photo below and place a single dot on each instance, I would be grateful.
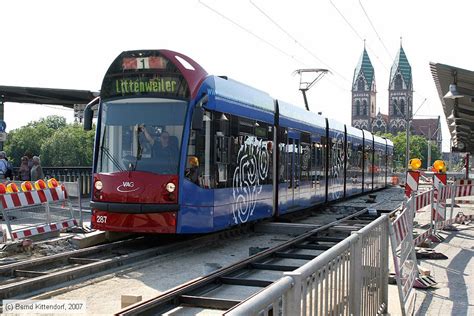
(294, 169)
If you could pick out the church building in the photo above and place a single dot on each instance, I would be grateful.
(400, 101)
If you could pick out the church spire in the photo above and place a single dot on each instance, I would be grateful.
(364, 67)
(401, 64)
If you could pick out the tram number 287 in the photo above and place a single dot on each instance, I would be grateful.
(101, 219)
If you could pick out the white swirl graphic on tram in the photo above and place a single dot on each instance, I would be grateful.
(336, 169)
(252, 168)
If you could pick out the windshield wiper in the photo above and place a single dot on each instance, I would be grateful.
(139, 149)
(111, 157)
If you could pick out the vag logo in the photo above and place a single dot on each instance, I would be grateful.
(127, 186)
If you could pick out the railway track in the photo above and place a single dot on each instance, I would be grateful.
(227, 287)
(32, 277)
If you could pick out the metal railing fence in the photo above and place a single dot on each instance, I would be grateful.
(351, 278)
(68, 174)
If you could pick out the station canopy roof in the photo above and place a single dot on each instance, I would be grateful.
(456, 92)
(64, 97)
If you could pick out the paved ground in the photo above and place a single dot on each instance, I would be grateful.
(454, 293)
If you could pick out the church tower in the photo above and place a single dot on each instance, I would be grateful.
(400, 93)
(363, 93)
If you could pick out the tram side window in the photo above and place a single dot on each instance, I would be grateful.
(336, 158)
(264, 133)
(200, 154)
(305, 156)
(325, 153)
(239, 141)
(282, 146)
(349, 155)
(222, 148)
(318, 160)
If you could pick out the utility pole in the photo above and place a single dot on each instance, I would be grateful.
(450, 153)
(306, 85)
(407, 153)
(428, 163)
(408, 121)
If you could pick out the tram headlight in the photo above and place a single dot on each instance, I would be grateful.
(170, 187)
(98, 185)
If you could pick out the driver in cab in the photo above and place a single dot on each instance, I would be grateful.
(162, 149)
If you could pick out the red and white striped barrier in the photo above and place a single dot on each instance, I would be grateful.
(404, 256)
(411, 185)
(402, 227)
(17, 206)
(25, 233)
(464, 188)
(21, 199)
(423, 199)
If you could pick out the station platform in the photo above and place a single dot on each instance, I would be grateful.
(454, 292)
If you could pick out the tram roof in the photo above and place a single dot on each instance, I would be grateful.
(354, 131)
(299, 114)
(64, 97)
(236, 91)
(379, 140)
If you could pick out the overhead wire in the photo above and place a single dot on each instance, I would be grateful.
(375, 30)
(357, 34)
(297, 42)
(379, 38)
(386, 49)
(260, 38)
(250, 32)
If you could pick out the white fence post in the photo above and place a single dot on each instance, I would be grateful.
(79, 201)
(292, 299)
(355, 277)
(384, 262)
(453, 201)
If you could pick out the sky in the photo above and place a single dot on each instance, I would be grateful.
(70, 45)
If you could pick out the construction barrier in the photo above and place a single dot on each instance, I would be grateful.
(36, 212)
(413, 178)
(424, 224)
(464, 188)
(404, 256)
(438, 199)
(351, 278)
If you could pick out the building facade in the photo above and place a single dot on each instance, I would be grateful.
(363, 93)
(400, 101)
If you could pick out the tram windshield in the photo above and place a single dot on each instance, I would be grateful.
(142, 134)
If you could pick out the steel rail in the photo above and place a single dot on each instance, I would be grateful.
(183, 294)
(37, 281)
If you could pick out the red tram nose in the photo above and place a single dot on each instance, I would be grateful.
(135, 202)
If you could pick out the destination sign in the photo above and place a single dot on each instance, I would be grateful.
(146, 85)
(144, 73)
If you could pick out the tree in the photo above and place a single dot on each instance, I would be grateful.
(69, 146)
(57, 143)
(418, 149)
(54, 122)
(27, 139)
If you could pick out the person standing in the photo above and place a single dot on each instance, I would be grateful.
(36, 170)
(3, 165)
(24, 171)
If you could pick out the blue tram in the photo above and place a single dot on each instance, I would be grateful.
(180, 151)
